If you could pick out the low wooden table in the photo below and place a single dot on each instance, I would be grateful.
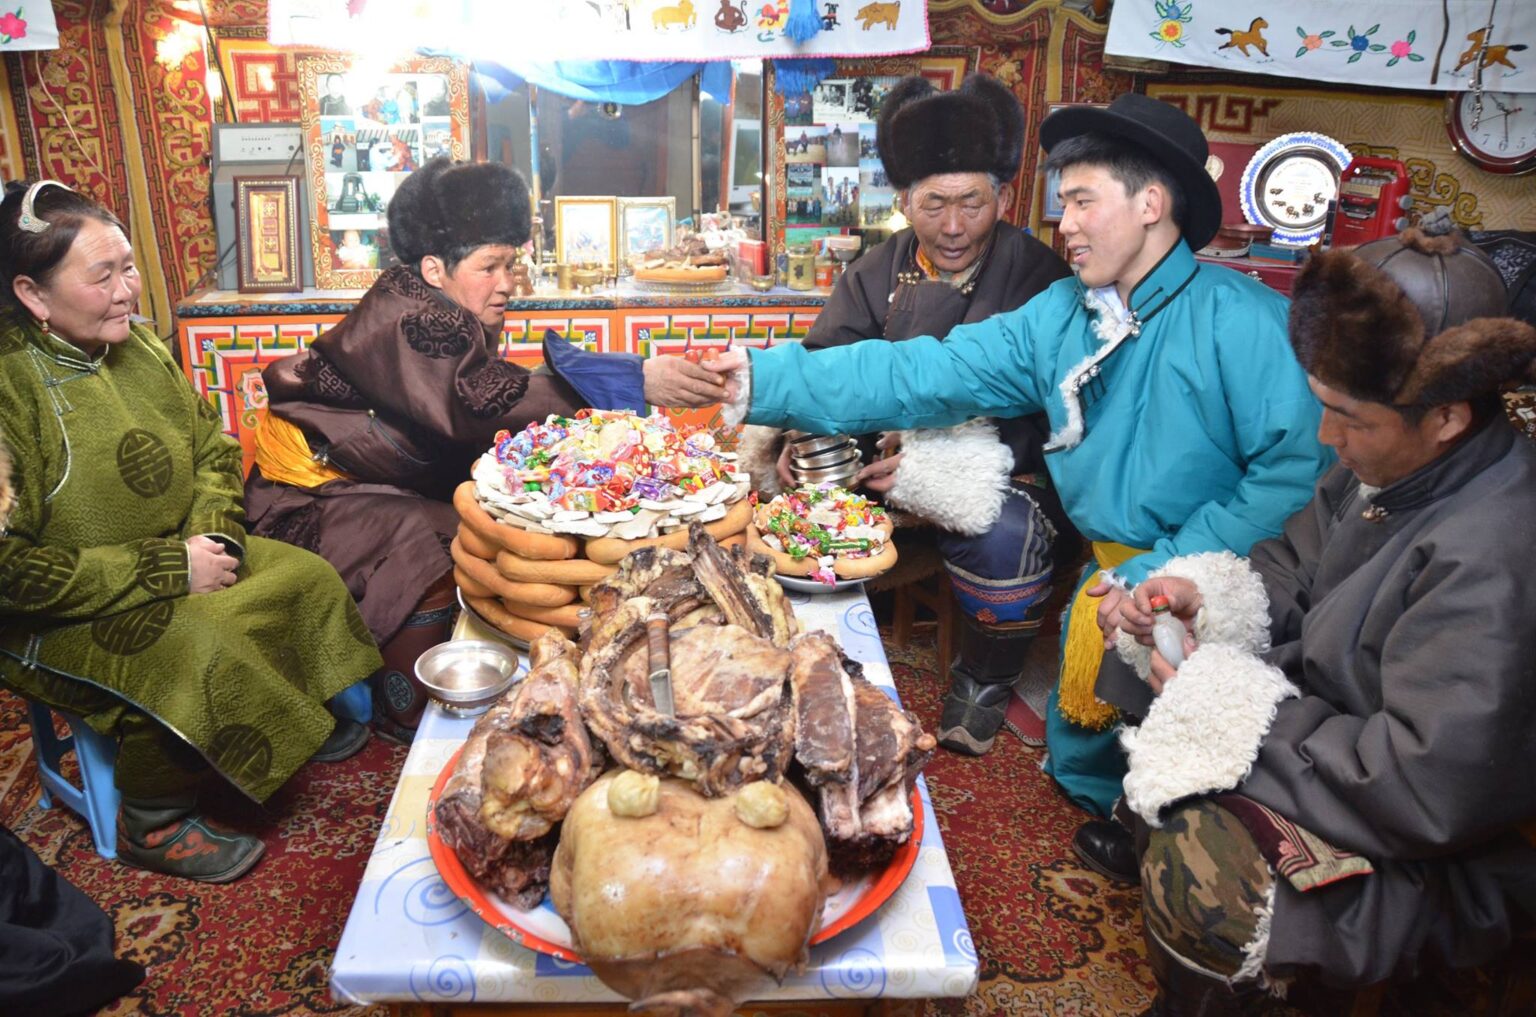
(409, 941)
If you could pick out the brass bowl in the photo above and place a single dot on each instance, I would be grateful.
(465, 676)
(761, 283)
(584, 279)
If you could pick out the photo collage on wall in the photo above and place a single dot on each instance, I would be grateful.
(374, 130)
(833, 176)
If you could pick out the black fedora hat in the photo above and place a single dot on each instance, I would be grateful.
(1167, 134)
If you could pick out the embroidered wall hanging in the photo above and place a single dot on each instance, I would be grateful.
(645, 30)
(1389, 43)
(27, 24)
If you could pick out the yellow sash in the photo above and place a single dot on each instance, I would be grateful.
(1084, 648)
(283, 454)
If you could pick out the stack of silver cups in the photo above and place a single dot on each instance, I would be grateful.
(822, 458)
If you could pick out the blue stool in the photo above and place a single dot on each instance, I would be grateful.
(354, 702)
(97, 758)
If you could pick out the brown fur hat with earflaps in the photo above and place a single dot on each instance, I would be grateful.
(1412, 320)
(977, 128)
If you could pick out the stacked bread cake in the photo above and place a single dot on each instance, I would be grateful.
(552, 509)
(823, 532)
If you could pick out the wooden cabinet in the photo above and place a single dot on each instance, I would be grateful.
(1277, 277)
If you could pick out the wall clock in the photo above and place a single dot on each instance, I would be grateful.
(1503, 139)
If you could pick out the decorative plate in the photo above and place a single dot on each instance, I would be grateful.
(543, 930)
(800, 584)
(1288, 184)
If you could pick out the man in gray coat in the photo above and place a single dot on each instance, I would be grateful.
(1339, 780)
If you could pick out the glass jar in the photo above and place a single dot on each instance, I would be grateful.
(802, 268)
(825, 273)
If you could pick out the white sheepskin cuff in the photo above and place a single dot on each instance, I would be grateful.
(1234, 609)
(1203, 733)
(954, 477)
(735, 411)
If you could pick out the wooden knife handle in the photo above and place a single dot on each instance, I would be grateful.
(657, 643)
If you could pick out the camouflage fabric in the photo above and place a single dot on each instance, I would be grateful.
(1202, 879)
(117, 463)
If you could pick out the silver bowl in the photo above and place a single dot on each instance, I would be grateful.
(826, 460)
(839, 475)
(465, 676)
(803, 444)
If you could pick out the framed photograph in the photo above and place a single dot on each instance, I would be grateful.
(645, 224)
(267, 233)
(586, 230)
(366, 128)
(1051, 208)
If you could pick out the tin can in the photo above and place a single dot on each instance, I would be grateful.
(824, 273)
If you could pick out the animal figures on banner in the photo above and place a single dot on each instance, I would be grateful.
(732, 16)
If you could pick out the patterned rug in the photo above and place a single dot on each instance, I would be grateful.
(1052, 937)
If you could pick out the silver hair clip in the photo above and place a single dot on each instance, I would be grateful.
(27, 220)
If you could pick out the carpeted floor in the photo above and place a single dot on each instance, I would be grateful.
(1052, 937)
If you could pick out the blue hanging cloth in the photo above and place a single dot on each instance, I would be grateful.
(627, 82)
(798, 77)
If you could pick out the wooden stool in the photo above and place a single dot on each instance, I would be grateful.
(932, 592)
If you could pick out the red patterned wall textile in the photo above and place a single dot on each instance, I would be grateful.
(263, 83)
(173, 114)
(227, 13)
(69, 124)
(1017, 57)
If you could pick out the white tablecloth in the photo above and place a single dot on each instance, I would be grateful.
(409, 938)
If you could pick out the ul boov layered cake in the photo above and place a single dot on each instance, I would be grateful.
(552, 509)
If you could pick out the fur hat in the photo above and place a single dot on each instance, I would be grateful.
(1411, 320)
(978, 128)
(447, 205)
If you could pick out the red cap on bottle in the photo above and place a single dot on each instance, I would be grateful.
(1159, 603)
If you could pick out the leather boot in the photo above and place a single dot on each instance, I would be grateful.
(168, 836)
(981, 686)
(398, 697)
(1183, 991)
(346, 740)
(1109, 849)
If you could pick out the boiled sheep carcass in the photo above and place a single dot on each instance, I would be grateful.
(525, 761)
(690, 909)
(728, 626)
(733, 722)
(859, 750)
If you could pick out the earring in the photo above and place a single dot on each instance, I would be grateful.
(43, 324)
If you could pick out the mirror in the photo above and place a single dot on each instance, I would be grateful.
(704, 151)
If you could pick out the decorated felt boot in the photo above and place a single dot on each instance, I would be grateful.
(168, 836)
(981, 686)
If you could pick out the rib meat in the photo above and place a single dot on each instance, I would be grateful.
(759, 607)
(858, 749)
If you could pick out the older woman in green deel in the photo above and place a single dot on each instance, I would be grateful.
(129, 591)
